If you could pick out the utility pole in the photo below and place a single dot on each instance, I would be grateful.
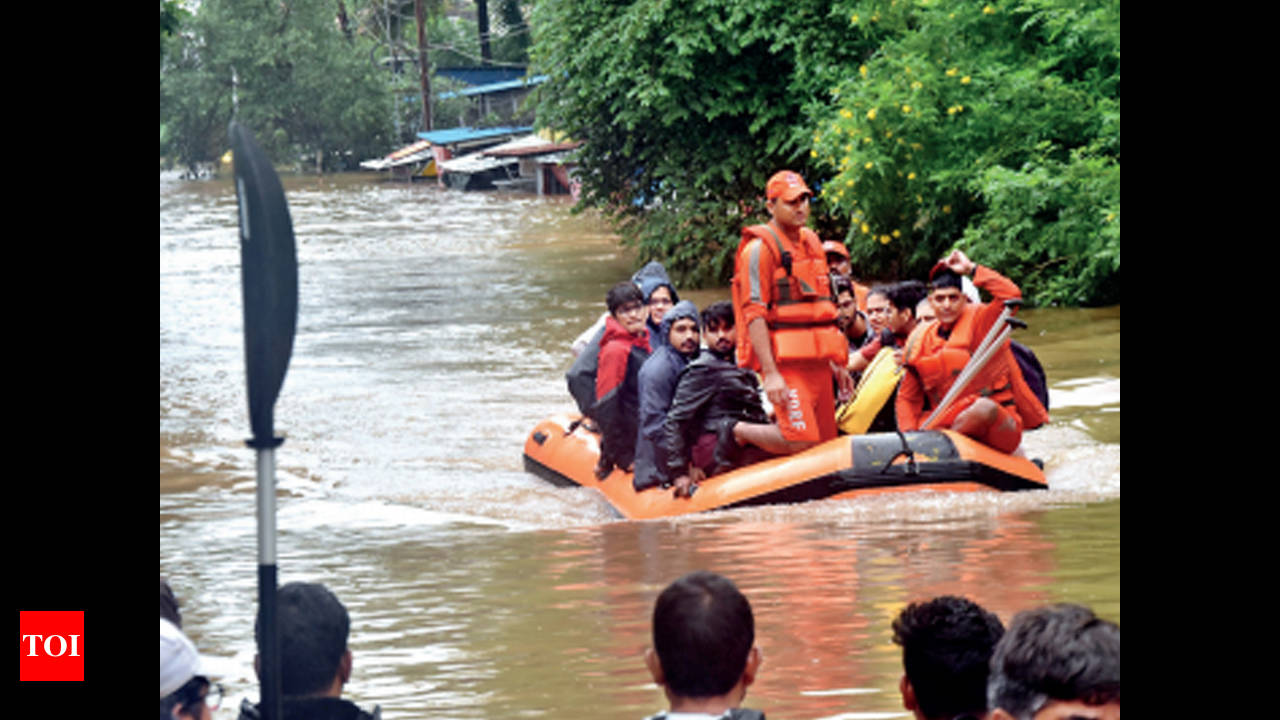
(423, 71)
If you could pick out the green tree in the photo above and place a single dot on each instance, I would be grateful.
(285, 69)
(922, 124)
(685, 108)
(992, 127)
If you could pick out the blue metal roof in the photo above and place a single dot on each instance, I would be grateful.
(496, 87)
(463, 134)
(480, 75)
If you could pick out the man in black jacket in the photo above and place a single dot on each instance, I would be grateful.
(712, 395)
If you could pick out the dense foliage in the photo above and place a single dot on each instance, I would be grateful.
(309, 77)
(923, 125)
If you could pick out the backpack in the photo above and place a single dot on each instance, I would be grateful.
(1032, 371)
(582, 374)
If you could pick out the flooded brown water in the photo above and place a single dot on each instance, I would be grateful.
(433, 333)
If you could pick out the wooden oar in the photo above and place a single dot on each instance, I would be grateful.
(269, 281)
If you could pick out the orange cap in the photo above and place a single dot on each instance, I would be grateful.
(832, 246)
(787, 185)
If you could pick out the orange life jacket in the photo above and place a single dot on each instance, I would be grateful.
(1001, 379)
(802, 312)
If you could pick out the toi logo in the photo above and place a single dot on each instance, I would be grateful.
(51, 645)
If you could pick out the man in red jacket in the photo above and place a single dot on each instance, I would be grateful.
(623, 349)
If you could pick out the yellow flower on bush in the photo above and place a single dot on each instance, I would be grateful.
(846, 113)
(813, 153)
(866, 229)
(946, 209)
(871, 114)
(884, 239)
(869, 165)
(917, 85)
(897, 233)
(988, 10)
(964, 80)
(952, 72)
(854, 20)
(911, 176)
(862, 70)
(906, 109)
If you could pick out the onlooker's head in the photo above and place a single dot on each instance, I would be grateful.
(703, 639)
(846, 302)
(905, 297)
(1056, 662)
(626, 305)
(185, 688)
(313, 627)
(718, 328)
(946, 650)
(924, 311)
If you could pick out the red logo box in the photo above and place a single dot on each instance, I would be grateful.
(51, 645)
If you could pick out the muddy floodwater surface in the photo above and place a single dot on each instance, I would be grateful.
(433, 333)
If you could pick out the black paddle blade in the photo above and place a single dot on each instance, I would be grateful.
(269, 280)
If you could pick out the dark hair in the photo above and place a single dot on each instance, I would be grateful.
(703, 631)
(621, 294)
(188, 696)
(946, 647)
(880, 289)
(313, 637)
(720, 313)
(945, 278)
(1057, 652)
(841, 284)
(169, 604)
(907, 294)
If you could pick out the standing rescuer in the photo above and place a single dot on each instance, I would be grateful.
(786, 315)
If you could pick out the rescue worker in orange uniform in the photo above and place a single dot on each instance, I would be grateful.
(785, 310)
(989, 409)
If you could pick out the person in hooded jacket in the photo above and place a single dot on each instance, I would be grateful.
(623, 350)
(657, 383)
(659, 297)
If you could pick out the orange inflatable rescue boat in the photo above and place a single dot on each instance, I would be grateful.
(563, 451)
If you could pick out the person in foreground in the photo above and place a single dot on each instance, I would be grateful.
(946, 652)
(315, 663)
(1059, 662)
(785, 312)
(988, 408)
(186, 692)
(704, 655)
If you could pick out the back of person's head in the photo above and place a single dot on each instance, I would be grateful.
(703, 631)
(907, 294)
(719, 314)
(1055, 653)
(946, 649)
(184, 674)
(313, 637)
(621, 294)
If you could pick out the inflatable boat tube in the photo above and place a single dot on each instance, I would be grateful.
(563, 451)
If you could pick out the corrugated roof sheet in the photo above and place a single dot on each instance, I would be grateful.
(496, 87)
(464, 134)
